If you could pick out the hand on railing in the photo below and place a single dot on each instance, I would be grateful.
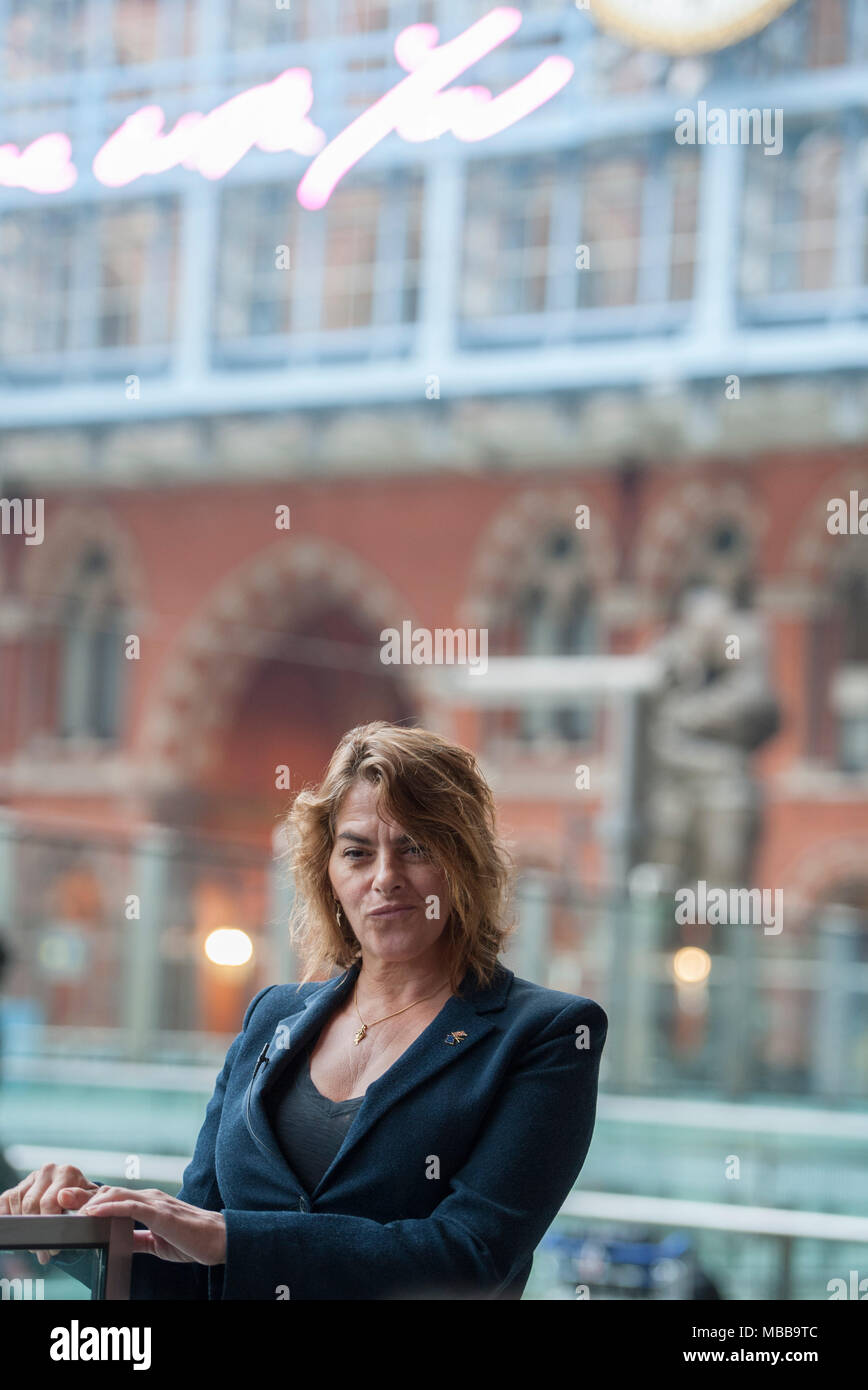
(37, 1195)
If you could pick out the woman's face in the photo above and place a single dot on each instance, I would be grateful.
(395, 900)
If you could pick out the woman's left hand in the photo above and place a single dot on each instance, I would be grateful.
(176, 1230)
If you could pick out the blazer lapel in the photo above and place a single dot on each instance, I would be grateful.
(426, 1056)
(290, 1035)
(436, 1047)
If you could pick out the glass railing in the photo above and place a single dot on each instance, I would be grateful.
(93, 1257)
(612, 1246)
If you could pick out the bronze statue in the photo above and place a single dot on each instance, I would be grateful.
(716, 707)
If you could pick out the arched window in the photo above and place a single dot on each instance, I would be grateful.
(91, 639)
(718, 558)
(550, 611)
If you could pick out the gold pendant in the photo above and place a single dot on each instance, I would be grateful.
(361, 1033)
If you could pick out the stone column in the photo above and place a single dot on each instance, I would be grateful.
(150, 877)
(528, 952)
(617, 829)
(839, 933)
(738, 998)
(641, 924)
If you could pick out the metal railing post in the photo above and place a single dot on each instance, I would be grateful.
(528, 951)
(142, 937)
(838, 940)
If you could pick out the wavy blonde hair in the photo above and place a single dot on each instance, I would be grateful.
(435, 792)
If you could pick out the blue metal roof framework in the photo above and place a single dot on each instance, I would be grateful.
(717, 331)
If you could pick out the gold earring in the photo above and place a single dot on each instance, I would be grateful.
(339, 914)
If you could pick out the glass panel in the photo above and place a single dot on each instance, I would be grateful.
(506, 239)
(370, 249)
(639, 227)
(45, 39)
(618, 1261)
(130, 237)
(22, 1277)
(611, 227)
(790, 215)
(145, 30)
(68, 996)
(683, 172)
(87, 277)
(351, 254)
(36, 267)
(827, 38)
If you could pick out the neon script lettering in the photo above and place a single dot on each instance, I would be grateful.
(419, 109)
(273, 117)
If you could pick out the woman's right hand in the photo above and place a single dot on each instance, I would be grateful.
(37, 1195)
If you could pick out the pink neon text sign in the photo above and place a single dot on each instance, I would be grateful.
(273, 117)
(418, 109)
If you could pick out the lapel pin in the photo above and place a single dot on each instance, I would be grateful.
(453, 1038)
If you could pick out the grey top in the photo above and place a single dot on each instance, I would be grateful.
(308, 1126)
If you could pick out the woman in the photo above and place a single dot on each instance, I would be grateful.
(411, 1127)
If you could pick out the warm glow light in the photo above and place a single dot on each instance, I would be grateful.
(691, 965)
(228, 946)
(273, 117)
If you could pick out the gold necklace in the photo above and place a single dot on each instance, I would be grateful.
(357, 1037)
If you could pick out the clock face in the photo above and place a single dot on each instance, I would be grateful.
(685, 26)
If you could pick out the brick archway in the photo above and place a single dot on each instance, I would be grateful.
(523, 525)
(820, 867)
(686, 511)
(237, 628)
(815, 554)
(48, 574)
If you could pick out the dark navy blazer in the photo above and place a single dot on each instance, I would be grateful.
(454, 1167)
